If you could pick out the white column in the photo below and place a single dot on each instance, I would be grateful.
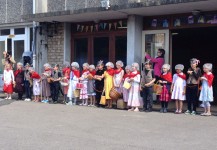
(134, 39)
(67, 42)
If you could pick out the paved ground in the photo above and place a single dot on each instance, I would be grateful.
(33, 126)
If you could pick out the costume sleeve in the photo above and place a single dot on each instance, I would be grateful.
(137, 78)
(152, 73)
(154, 60)
(174, 78)
(4, 76)
(197, 73)
(59, 74)
(12, 75)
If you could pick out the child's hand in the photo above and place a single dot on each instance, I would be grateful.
(131, 80)
(160, 81)
(183, 93)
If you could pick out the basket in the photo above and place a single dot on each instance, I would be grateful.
(127, 85)
(76, 93)
(64, 83)
(114, 94)
(121, 104)
(90, 77)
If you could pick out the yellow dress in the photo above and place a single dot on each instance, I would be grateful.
(108, 84)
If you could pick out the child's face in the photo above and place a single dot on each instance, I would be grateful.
(178, 70)
(19, 66)
(27, 67)
(108, 67)
(205, 69)
(55, 68)
(8, 66)
(133, 68)
(118, 66)
(100, 67)
(91, 69)
(127, 70)
(165, 70)
(73, 68)
(147, 66)
(84, 68)
(193, 65)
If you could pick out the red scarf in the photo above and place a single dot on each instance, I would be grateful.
(117, 71)
(111, 72)
(167, 77)
(132, 75)
(209, 78)
(93, 73)
(47, 69)
(66, 70)
(17, 72)
(126, 76)
(183, 76)
(35, 75)
(76, 73)
(84, 71)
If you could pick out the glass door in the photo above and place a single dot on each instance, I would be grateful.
(2, 49)
(153, 40)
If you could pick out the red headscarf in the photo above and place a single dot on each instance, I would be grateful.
(35, 75)
(111, 72)
(167, 77)
(126, 76)
(209, 78)
(183, 76)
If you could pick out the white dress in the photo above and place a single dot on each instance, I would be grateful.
(134, 99)
(178, 88)
(118, 80)
(36, 87)
(72, 85)
(206, 93)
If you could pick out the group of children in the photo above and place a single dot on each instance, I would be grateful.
(132, 84)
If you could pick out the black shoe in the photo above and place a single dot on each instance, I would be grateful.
(162, 110)
(55, 102)
(149, 110)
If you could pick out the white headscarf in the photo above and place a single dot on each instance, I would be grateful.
(208, 66)
(119, 62)
(92, 67)
(167, 66)
(110, 64)
(179, 66)
(136, 65)
(75, 64)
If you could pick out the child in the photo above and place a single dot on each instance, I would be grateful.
(118, 76)
(8, 81)
(125, 79)
(99, 81)
(134, 93)
(108, 82)
(27, 83)
(56, 77)
(36, 84)
(194, 73)
(147, 82)
(206, 94)
(178, 88)
(90, 86)
(46, 93)
(19, 79)
(83, 79)
(74, 77)
(166, 81)
(66, 75)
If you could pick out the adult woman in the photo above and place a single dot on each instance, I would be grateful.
(157, 62)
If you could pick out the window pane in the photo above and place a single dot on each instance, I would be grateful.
(81, 50)
(121, 48)
(19, 31)
(5, 32)
(18, 50)
(31, 38)
(101, 49)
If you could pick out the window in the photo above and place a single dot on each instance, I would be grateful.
(19, 31)
(5, 32)
(121, 48)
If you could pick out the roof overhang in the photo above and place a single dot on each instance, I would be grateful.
(119, 12)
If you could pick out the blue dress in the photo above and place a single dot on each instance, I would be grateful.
(206, 93)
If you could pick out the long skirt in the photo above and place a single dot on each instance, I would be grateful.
(8, 88)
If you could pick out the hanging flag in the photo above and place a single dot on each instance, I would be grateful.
(82, 28)
(110, 26)
(97, 27)
(105, 24)
(87, 27)
(101, 25)
(115, 24)
(91, 28)
(121, 23)
(78, 26)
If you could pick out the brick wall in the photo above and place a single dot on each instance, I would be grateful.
(56, 47)
(12, 10)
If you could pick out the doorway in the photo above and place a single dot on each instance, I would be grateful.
(200, 43)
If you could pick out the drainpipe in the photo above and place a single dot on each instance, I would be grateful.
(34, 37)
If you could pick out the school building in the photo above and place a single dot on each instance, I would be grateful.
(110, 30)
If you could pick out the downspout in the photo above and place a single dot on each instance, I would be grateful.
(34, 37)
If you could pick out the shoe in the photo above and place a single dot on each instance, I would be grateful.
(188, 112)
(41, 101)
(131, 109)
(69, 103)
(28, 100)
(203, 114)
(89, 105)
(193, 113)
(9, 97)
(149, 110)
(81, 104)
(73, 103)
(136, 110)
(177, 111)
(180, 112)
(207, 114)
(161, 110)
(6, 97)
(165, 110)
(55, 102)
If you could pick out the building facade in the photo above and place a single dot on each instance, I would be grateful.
(15, 33)
(109, 30)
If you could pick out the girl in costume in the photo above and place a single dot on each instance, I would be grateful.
(8, 81)
(36, 84)
(83, 79)
(19, 80)
(90, 85)
(126, 79)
